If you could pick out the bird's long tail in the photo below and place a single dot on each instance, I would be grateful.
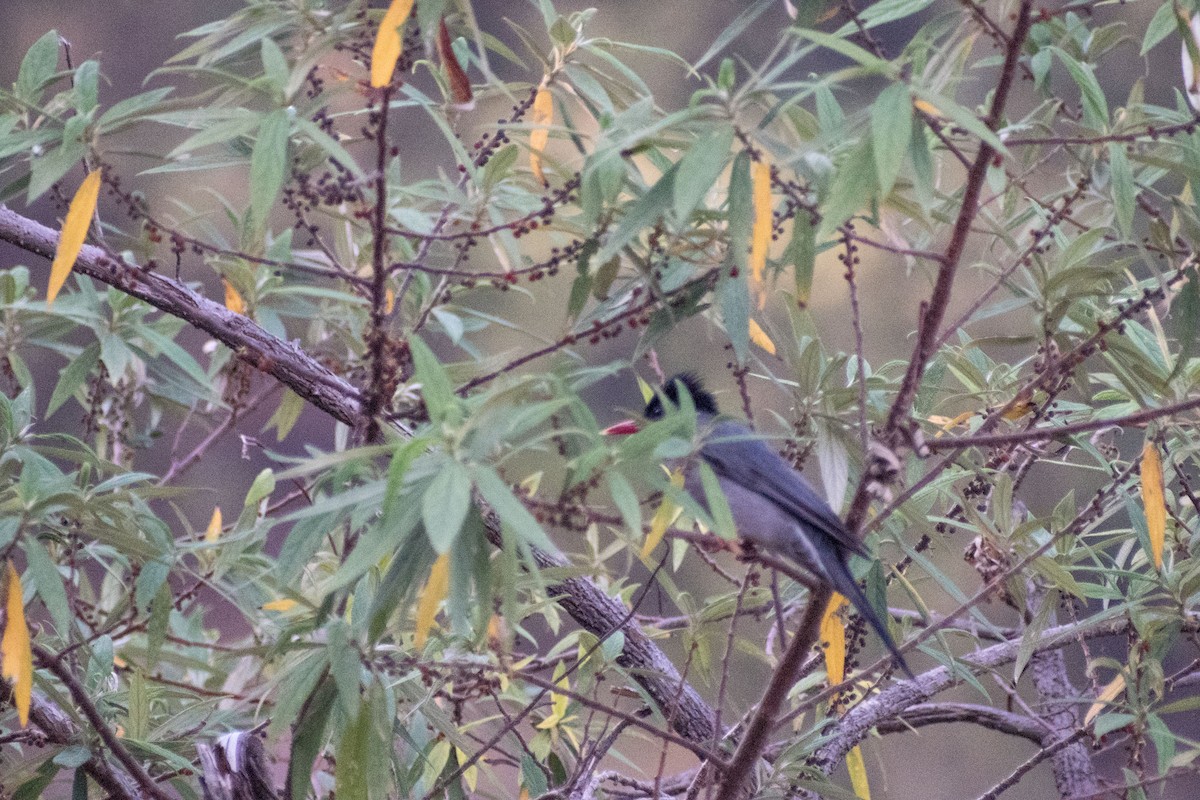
(842, 581)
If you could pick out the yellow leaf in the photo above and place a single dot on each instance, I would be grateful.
(833, 639)
(233, 300)
(389, 43)
(1106, 696)
(530, 483)
(646, 389)
(666, 513)
(389, 300)
(214, 526)
(558, 702)
(760, 338)
(928, 107)
(74, 231)
(471, 773)
(858, 773)
(760, 236)
(16, 655)
(1021, 406)
(541, 116)
(1153, 501)
(431, 597)
(286, 604)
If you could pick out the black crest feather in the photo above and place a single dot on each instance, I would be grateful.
(702, 399)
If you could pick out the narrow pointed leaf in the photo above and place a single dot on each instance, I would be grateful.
(16, 655)
(74, 231)
(431, 597)
(1154, 501)
(389, 43)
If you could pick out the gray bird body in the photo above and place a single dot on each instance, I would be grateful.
(772, 505)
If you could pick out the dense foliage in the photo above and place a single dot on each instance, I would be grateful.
(447, 582)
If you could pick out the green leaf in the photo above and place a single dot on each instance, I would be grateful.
(308, 734)
(626, 501)
(512, 511)
(445, 504)
(802, 254)
(72, 377)
(48, 169)
(1187, 303)
(734, 30)
(644, 213)
(49, 583)
(733, 291)
(1095, 106)
(717, 503)
(345, 665)
(37, 68)
(851, 189)
(435, 384)
(87, 86)
(331, 147)
(699, 169)
(891, 129)
(962, 117)
(260, 490)
(1160, 27)
(393, 495)
(129, 109)
(275, 66)
(268, 165)
(156, 627)
(1123, 190)
(285, 416)
(846, 48)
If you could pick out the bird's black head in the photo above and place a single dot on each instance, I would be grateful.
(702, 399)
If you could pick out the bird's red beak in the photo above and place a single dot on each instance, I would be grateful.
(622, 428)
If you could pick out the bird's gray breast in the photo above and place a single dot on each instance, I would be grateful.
(757, 518)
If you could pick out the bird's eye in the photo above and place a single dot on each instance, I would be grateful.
(654, 410)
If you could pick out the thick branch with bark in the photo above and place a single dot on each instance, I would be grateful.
(284, 361)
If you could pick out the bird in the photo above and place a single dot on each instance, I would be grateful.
(771, 503)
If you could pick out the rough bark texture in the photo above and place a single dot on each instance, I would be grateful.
(1074, 773)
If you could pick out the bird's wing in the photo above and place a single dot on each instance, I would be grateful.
(736, 454)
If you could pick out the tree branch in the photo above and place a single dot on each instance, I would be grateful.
(284, 361)
(79, 694)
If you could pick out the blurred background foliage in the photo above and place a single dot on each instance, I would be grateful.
(203, 551)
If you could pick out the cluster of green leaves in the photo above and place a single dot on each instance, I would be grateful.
(329, 595)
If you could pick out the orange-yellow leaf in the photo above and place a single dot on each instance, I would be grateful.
(460, 84)
(760, 236)
(16, 655)
(1154, 502)
(285, 604)
(666, 513)
(389, 300)
(927, 107)
(1106, 696)
(858, 773)
(214, 526)
(760, 338)
(471, 773)
(542, 117)
(389, 43)
(233, 299)
(1021, 406)
(431, 597)
(74, 231)
(833, 639)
